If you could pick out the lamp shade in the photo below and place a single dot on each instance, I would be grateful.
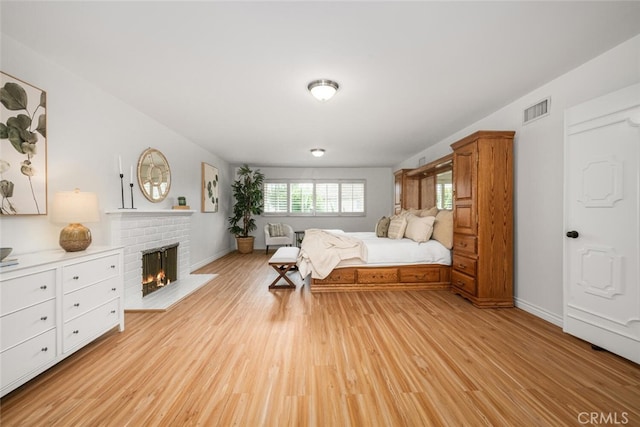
(71, 207)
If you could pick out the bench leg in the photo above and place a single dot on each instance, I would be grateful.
(282, 270)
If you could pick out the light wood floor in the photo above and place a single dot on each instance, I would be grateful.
(235, 353)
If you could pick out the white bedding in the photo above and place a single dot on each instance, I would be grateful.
(324, 250)
(384, 251)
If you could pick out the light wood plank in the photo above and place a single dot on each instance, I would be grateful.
(235, 353)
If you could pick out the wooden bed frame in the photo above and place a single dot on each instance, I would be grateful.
(418, 190)
(416, 277)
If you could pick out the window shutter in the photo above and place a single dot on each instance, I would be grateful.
(352, 197)
(275, 197)
(301, 197)
(327, 197)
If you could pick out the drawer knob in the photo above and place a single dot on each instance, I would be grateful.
(76, 304)
(43, 287)
(113, 289)
(43, 318)
(113, 266)
(76, 331)
(113, 312)
(44, 348)
(462, 266)
(76, 277)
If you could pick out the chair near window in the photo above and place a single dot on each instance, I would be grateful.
(278, 235)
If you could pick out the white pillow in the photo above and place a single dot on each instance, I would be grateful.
(397, 227)
(419, 229)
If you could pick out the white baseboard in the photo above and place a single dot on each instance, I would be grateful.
(206, 261)
(539, 312)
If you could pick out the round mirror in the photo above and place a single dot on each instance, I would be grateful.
(154, 175)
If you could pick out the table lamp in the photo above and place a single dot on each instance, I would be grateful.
(74, 207)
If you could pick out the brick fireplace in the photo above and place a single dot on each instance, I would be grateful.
(140, 231)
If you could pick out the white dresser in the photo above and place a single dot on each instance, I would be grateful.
(53, 303)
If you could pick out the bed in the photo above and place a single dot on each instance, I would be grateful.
(339, 261)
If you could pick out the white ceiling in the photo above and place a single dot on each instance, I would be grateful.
(232, 76)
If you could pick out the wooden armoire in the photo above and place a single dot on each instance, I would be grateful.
(482, 265)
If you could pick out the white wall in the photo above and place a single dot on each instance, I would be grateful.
(379, 198)
(87, 130)
(539, 172)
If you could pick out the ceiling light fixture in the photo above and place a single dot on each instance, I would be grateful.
(317, 152)
(323, 89)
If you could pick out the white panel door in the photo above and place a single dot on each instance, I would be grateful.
(602, 222)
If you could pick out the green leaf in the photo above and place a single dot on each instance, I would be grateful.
(13, 97)
(16, 139)
(43, 99)
(21, 121)
(29, 137)
(4, 131)
(42, 125)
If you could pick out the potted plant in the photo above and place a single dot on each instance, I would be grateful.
(247, 192)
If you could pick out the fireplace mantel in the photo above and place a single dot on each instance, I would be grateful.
(159, 212)
(138, 230)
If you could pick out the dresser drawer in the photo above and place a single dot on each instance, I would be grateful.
(464, 243)
(86, 273)
(86, 299)
(24, 324)
(378, 275)
(27, 357)
(25, 291)
(419, 274)
(84, 328)
(464, 265)
(464, 282)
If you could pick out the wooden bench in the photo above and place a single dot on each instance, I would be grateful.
(283, 261)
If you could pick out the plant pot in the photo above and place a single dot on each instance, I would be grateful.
(245, 244)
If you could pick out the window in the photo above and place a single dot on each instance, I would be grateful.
(301, 197)
(444, 190)
(352, 197)
(327, 197)
(314, 198)
(275, 197)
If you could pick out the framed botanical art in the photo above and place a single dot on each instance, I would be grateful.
(210, 184)
(23, 148)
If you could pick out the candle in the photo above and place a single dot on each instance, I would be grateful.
(120, 164)
(131, 180)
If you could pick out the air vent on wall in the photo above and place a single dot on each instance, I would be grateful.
(541, 109)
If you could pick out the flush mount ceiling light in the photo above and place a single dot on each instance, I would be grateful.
(317, 152)
(323, 89)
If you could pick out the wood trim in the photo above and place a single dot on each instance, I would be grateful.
(433, 168)
(484, 134)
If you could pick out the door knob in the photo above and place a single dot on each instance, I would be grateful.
(573, 234)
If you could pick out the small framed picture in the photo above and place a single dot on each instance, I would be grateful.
(210, 183)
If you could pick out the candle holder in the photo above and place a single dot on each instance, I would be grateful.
(122, 189)
(131, 186)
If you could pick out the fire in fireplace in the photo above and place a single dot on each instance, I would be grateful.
(159, 268)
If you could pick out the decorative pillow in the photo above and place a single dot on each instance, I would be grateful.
(443, 228)
(382, 227)
(276, 230)
(397, 225)
(429, 212)
(419, 229)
